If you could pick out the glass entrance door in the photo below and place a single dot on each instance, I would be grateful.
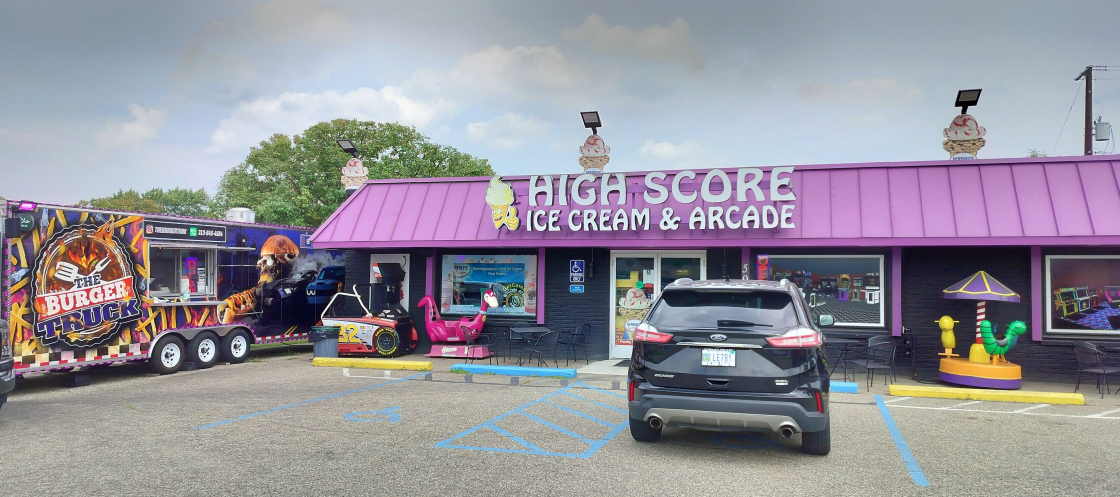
(638, 277)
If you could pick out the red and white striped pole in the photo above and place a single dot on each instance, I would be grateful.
(981, 315)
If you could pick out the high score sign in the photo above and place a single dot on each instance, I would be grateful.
(727, 200)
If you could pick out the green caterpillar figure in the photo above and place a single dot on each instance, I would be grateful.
(998, 347)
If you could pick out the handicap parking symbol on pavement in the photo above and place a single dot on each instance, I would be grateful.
(390, 414)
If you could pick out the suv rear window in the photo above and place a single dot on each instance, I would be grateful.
(712, 309)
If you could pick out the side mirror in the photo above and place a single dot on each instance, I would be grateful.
(825, 320)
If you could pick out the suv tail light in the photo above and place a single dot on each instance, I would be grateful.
(646, 332)
(796, 338)
(631, 391)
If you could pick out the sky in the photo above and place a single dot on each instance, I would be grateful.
(97, 96)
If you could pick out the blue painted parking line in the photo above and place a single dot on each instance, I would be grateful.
(593, 445)
(843, 387)
(903, 449)
(297, 404)
(391, 414)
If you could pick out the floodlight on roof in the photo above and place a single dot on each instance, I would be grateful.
(348, 146)
(966, 99)
(591, 120)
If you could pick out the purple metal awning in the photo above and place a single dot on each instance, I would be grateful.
(1028, 201)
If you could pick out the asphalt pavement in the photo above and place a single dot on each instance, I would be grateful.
(277, 425)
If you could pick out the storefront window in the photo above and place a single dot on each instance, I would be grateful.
(848, 287)
(1084, 293)
(174, 271)
(513, 278)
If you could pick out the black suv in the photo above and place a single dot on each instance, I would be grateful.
(730, 355)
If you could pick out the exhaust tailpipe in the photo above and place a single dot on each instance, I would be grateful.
(655, 422)
(787, 431)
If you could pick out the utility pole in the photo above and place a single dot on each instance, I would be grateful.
(1088, 75)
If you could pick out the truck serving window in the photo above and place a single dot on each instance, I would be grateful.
(174, 271)
(713, 309)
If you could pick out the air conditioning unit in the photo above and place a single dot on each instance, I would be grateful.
(241, 215)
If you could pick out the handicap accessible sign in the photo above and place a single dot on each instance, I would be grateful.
(577, 271)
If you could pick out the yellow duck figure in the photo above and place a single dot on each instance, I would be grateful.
(948, 339)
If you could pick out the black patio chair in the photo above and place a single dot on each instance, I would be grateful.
(546, 344)
(577, 338)
(880, 356)
(1090, 360)
(472, 343)
(516, 339)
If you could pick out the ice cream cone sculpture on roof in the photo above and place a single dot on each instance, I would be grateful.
(354, 173)
(593, 155)
(964, 137)
(500, 197)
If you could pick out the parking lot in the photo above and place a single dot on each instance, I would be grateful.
(277, 425)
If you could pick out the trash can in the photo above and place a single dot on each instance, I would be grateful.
(324, 340)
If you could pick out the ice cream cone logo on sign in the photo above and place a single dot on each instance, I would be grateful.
(594, 154)
(964, 138)
(354, 173)
(500, 197)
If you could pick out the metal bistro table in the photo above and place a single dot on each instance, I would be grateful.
(845, 345)
(531, 335)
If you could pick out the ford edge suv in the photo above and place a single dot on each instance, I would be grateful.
(731, 356)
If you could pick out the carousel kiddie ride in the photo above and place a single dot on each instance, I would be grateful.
(455, 338)
(986, 365)
(388, 333)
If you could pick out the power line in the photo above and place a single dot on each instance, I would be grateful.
(1067, 118)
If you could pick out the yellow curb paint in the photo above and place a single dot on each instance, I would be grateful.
(371, 363)
(990, 395)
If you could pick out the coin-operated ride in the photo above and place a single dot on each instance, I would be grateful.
(387, 333)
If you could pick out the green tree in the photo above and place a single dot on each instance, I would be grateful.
(297, 180)
(1036, 153)
(176, 201)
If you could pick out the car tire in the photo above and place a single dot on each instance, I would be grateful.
(386, 341)
(817, 443)
(642, 432)
(204, 350)
(167, 356)
(235, 347)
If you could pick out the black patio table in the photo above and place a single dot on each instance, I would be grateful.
(845, 345)
(532, 334)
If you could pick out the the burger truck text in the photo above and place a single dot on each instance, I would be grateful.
(85, 287)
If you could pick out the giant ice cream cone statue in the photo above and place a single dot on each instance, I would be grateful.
(354, 174)
(500, 197)
(964, 138)
(593, 155)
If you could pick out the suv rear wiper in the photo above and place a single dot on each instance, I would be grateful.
(733, 323)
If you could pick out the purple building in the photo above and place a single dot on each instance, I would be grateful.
(872, 244)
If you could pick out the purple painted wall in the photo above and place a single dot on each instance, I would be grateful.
(1037, 202)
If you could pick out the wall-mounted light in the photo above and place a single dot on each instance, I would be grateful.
(966, 99)
(348, 147)
(591, 120)
(25, 206)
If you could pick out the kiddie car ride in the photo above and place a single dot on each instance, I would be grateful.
(455, 338)
(389, 333)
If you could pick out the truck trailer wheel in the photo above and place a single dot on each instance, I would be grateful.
(167, 356)
(235, 347)
(203, 351)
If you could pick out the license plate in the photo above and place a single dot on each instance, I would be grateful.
(717, 357)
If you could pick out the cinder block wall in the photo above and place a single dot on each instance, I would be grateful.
(926, 271)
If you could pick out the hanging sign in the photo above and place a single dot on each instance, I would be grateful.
(184, 232)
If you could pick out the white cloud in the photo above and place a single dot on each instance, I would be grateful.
(507, 131)
(874, 90)
(146, 121)
(872, 120)
(657, 43)
(301, 20)
(689, 153)
(522, 70)
(292, 112)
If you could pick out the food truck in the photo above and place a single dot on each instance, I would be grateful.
(85, 288)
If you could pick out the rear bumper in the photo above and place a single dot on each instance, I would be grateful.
(7, 378)
(727, 414)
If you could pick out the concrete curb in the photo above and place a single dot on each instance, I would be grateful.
(371, 363)
(990, 395)
(513, 370)
(843, 387)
